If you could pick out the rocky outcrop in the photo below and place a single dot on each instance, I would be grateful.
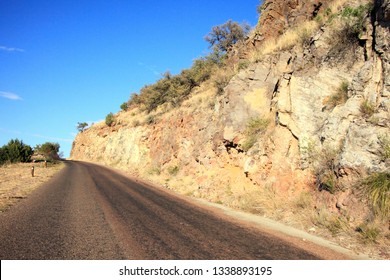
(279, 15)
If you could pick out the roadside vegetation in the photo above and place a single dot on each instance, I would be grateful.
(16, 151)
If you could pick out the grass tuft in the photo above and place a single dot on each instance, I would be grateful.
(340, 96)
(254, 128)
(367, 108)
(369, 233)
(377, 189)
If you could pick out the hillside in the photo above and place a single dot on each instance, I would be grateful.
(297, 131)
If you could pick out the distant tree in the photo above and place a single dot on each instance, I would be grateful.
(110, 119)
(3, 155)
(124, 106)
(81, 126)
(223, 37)
(15, 151)
(49, 150)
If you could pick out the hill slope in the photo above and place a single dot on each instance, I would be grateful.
(294, 133)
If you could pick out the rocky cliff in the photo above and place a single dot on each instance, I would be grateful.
(296, 129)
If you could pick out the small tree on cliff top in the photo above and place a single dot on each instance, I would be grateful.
(81, 126)
(223, 37)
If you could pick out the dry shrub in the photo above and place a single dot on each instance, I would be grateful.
(340, 96)
(333, 222)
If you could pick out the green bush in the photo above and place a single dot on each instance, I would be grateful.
(357, 15)
(124, 106)
(15, 151)
(377, 189)
(346, 37)
(49, 150)
(354, 19)
(110, 119)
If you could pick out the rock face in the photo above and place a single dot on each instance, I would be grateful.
(206, 139)
(278, 15)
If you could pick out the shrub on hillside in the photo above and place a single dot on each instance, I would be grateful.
(351, 25)
(174, 89)
(124, 106)
(110, 119)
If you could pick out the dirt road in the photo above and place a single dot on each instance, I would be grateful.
(91, 212)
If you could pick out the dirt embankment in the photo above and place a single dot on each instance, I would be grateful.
(17, 182)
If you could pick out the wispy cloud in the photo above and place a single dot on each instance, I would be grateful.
(52, 138)
(10, 95)
(151, 68)
(11, 49)
(10, 131)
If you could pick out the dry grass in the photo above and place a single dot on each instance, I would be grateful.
(17, 183)
(337, 5)
(333, 222)
(301, 34)
(297, 36)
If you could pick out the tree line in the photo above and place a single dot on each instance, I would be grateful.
(16, 151)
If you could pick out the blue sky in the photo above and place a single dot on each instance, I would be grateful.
(63, 62)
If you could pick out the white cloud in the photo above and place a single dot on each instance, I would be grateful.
(151, 68)
(53, 138)
(10, 95)
(10, 131)
(10, 49)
